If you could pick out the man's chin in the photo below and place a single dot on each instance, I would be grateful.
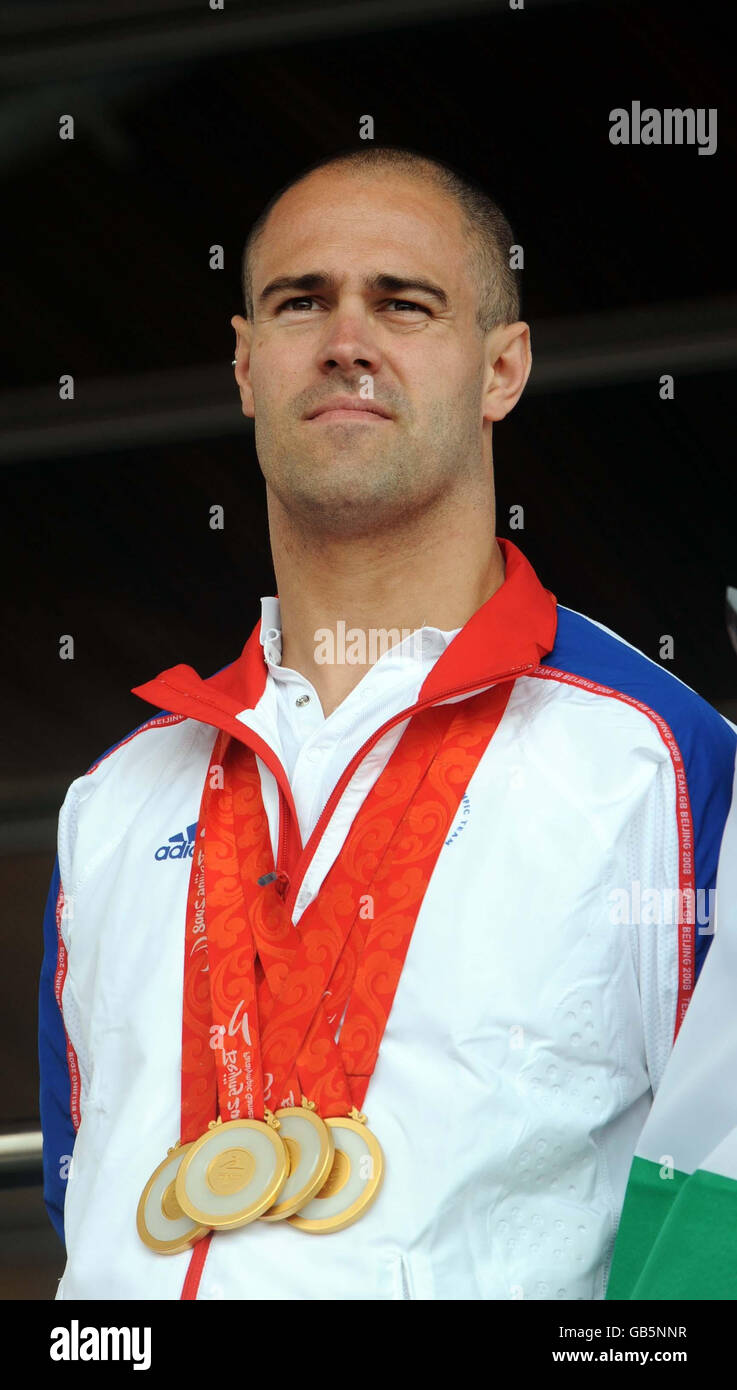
(345, 442)
(348, 510)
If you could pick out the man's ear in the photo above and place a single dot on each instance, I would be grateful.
(243, 331)
(508, 363)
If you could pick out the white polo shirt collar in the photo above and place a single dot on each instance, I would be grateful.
(431, 644)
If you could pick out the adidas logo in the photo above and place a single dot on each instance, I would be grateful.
(180, 846)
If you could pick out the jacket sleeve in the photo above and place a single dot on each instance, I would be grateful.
(57, 1122)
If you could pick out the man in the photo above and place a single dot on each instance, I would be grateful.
(527, 768)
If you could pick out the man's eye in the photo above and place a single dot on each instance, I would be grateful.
(410, 304)
(303, 302)
(290, 303)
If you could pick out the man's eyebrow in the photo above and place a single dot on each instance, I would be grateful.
(398, 283)
(313, 280)
(318, 280)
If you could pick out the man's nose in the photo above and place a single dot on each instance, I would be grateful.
(349, 342)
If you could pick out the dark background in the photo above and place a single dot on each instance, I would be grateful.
(186, 121)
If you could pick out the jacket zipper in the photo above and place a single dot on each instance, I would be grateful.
(289, 885)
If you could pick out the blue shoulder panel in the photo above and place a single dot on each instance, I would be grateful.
(55, 1092)
(707, 742)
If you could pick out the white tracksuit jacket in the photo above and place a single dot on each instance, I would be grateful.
(535, 1013)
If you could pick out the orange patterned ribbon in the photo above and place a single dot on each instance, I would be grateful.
(352, 940)
(199, 1082)
(221, 1037)
(262, 995)
(300, 964)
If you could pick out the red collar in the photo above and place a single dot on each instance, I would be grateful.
(507, 636)
(513, 629)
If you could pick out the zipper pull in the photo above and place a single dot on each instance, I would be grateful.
(279, 878)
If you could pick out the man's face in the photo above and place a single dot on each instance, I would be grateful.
(406, 344)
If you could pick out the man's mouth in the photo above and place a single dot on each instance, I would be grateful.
(354, 416)
(348, 408)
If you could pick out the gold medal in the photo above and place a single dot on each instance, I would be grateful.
(161, 1223)
(233, 1173)
(311, 1150)
(353, 1182)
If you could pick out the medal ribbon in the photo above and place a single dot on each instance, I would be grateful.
(199, 1081)
(353, 938)
(350, 945)
(221, 1044)
(298, 963)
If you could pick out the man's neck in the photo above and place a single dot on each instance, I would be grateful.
(433, 575)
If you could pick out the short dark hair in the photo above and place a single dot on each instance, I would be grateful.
(486, 226)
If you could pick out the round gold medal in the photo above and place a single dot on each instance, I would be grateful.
(233, 1173)
(353, 1181)
(161, 1223)
(311, 1149)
